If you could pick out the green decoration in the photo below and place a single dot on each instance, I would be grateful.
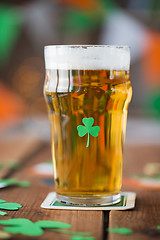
(2, 213)
(23, 183)
(9, 206)
(13, 182)
(145, 176)
(78, 22)
(77, 237)
(83, 130)
(158, 227)
(52, 224)
(152, 101)
(157, 176)
(4, 235)
(124, 231)
(10, 26)
(109, 5)
(28, 228)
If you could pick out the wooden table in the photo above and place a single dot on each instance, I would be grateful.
(143, 220)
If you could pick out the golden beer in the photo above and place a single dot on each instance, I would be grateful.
(88, 114)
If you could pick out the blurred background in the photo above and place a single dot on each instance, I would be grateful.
(27, 25)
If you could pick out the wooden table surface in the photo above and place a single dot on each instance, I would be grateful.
(143, 220)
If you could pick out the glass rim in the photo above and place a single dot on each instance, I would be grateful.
(88, 46)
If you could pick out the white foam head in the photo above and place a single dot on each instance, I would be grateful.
(87, 57)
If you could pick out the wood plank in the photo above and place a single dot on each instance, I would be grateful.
(143, 220)
(31, 198)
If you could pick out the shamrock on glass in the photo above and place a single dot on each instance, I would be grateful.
(88, 129)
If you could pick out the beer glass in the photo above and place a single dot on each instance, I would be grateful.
(87, 91)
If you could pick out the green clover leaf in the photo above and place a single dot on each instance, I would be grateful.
(77, 237)
(88, 128)
(2, 213)
(52, 224)
(124, 231)
(7, 182)
(26, 227)
(22, 226)
(8, 206)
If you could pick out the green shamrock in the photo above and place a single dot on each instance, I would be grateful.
(83, 130)
(77, 237)
(26, 227)
(124, 231)
(7, 182)
(8, 206)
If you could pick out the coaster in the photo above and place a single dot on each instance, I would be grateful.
(127, 202)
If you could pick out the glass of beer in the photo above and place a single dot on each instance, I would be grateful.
(87, 91)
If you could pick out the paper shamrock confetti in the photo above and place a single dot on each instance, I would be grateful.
(88, 129)
(124, 231)
(4, 235)
(13, 182)
(8, 206)
(28, 228)
(81, 238)
(2, 213)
